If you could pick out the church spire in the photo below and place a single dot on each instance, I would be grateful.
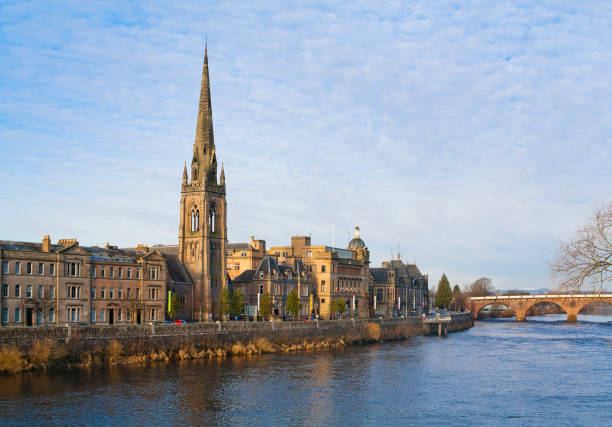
(222, 178)
(204, 139)
(185, 173)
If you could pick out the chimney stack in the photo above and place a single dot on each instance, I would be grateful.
(46, 244)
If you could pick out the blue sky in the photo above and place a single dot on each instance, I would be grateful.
(474, 135)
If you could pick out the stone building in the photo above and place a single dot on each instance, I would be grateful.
(203, 214)
(244, 256)
(277, 281)
(398, 289)
(336, 273)
(45, 284)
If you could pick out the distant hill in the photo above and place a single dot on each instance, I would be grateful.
(530, 291)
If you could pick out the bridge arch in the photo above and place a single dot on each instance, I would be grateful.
(481, 308)
(585, 305)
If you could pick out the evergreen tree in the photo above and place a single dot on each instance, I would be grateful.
(224, 303)
(341, 305)
(236, 303)
(265, 307)
(293, 303)
(175, 306)
(444, 294)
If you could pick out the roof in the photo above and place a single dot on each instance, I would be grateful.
(10, 245)
(177, 270)
(113, 255)
(413, 270)
(245, 276)
(238, 246)
(379, 274)
(268, 265)
(356, 243)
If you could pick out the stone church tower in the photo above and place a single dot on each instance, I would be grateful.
(203, 222)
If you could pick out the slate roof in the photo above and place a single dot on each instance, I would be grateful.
(10, 245)
(268, 265)
(113, 255)
(379, 274)
(245, 276)
(238, 246)
(177, 270)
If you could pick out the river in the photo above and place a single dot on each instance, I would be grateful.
(541, 372)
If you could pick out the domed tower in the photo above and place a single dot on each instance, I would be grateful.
(358, 245)
(356, 242)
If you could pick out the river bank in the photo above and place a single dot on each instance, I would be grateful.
(27, 349)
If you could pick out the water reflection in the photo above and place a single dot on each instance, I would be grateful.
(499, 372)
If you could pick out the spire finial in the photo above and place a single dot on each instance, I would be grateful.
(222, 178)
(185, 172)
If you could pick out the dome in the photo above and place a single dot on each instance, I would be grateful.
(356, 242)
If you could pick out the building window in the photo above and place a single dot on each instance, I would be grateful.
(309, 254)
(93, 315)
(73, 269)
(41, 291)
(138, 273)
(41, 268)
(74, 314)
(119, 313)
(17, 291)
(93, 271)
(137, 293)
(243, 253)
(119, 293)
(112, 272)
(103, 271)
(52, 269)
(379, 295)
(52, 291)
(322, 300)
(154, 273)
(5, 267)
(119, 272)
(93, 293)
(322, 285)
(183, 300)
(229, 253)
(195, 219)
(111, 293)
(74, 291)
(322, 269)
(153, 314)
(103, 315)
(129, 272)
(29, 268)
(261, 274)
(39, 316)
(17, 267)
(153, 293)
(51, 315)
(17, 315)
(5, 315)
(129, 293)
(261, 289)
(5, 291)
(129, 315)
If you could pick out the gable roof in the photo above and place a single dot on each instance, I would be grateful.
(379, 274)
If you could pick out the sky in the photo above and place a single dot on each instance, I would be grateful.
(469, 136)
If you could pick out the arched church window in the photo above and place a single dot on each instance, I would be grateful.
(212, 221)
(195, 219)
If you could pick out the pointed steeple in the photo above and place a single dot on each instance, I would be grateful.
(185, 173)
(203, 149)
(222, 178)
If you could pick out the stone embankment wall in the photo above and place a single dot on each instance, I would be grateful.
(23, 349)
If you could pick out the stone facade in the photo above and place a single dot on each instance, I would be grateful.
(203, 214)
(336, 273)
(47, 284)
(277, 281)
(398, 289)
(244, 256)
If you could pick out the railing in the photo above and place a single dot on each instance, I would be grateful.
(543, 296)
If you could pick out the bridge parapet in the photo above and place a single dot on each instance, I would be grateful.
(520, 304)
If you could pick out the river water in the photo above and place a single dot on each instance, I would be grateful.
(541, 372)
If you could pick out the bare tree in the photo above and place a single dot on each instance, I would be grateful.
(481, 287)
(587, 257)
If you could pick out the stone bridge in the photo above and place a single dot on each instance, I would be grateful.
(520, 304)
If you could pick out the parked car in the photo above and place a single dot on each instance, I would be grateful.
(179, 321)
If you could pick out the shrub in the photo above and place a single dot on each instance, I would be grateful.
(264, 346)
(41, 355)
(11, 360)
(113, 351)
